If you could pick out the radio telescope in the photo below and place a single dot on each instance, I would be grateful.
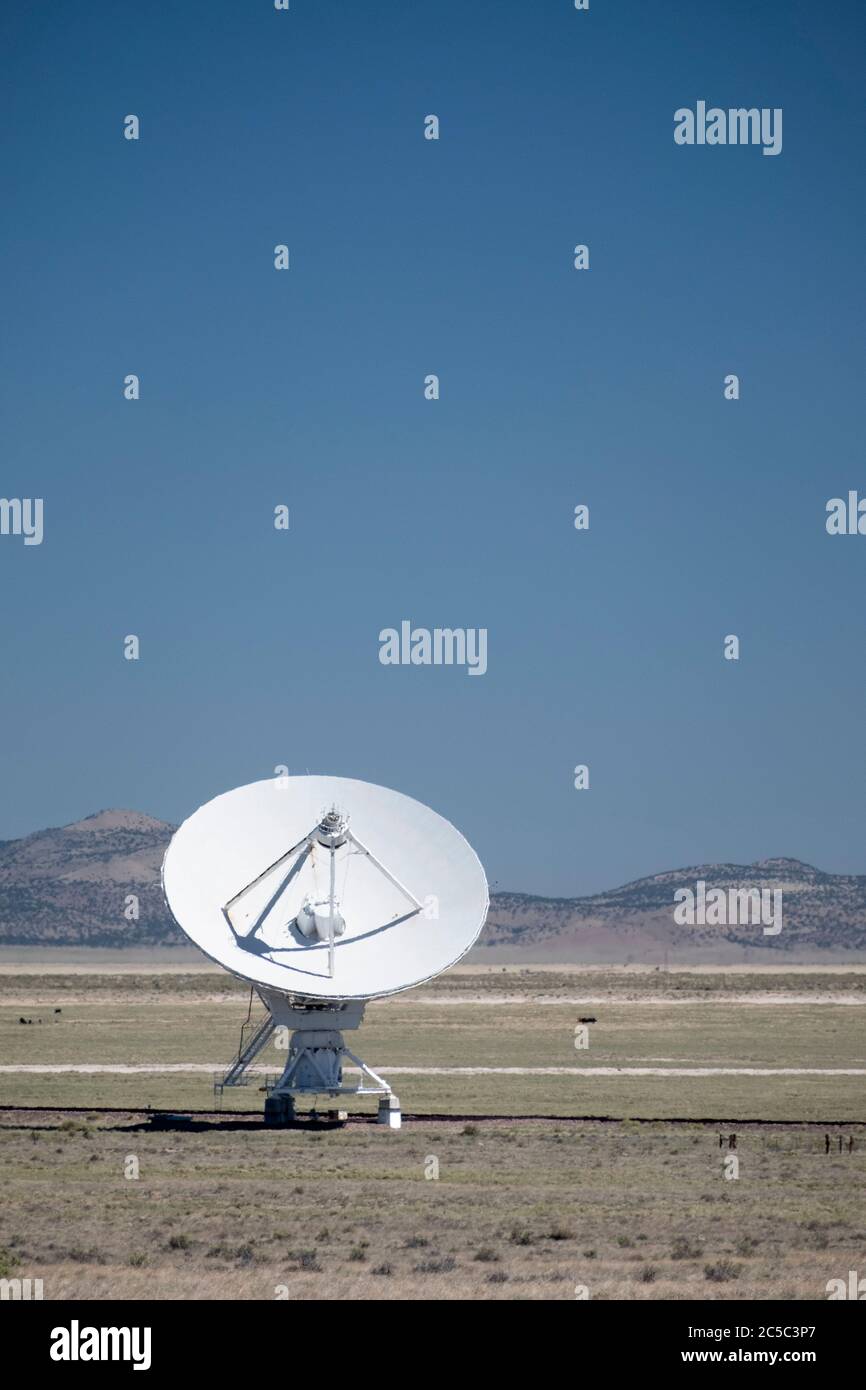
(323, 892)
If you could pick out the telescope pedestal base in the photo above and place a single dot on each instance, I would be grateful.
(279, 1111)
(316, 1057)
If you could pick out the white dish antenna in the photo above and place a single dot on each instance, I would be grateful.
(324, 892)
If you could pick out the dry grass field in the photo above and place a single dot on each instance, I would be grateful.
(101, 1206)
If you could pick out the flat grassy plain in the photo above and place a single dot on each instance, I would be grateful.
(466, 1209)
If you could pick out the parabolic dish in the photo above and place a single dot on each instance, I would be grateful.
(325, 887)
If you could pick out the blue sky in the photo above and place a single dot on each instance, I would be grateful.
(558, 387)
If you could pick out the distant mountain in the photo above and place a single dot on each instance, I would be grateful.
(71, 886)
(820, 911)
